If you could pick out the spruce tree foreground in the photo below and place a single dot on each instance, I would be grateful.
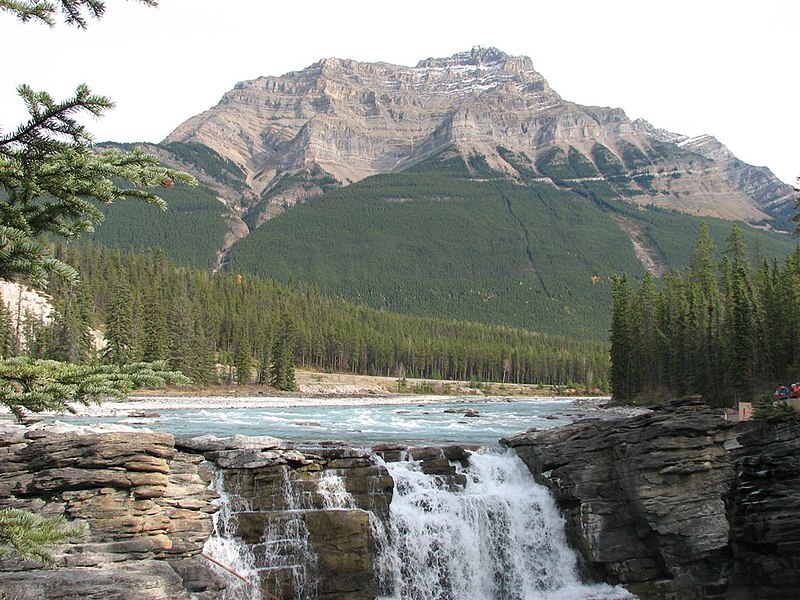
(51, 181)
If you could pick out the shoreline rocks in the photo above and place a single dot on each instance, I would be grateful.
(678, 503)
(146, 507)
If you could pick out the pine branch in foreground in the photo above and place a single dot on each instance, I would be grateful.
(34, 385)
(28, 535)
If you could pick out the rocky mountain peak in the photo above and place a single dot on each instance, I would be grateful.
(339, 121)
(478, 56)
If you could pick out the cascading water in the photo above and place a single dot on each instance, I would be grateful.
(333, 491)
(232, 557)
(284, 554)
(499, 537)
(491, 532)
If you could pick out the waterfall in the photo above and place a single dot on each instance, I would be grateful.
(229, 554)
(498, 537)
(488, 532)
(283, 558)
(332, 490)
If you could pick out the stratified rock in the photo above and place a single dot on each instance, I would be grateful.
(678, 504)
(146, 507)
(339, 121)
(211, 443)
(644, 498)
(766, 512)
(333, 556)
(343, 542)
(152, 581)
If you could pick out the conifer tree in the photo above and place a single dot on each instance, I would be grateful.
(28, 536)
(121, 333)
(282, 368)
(155, 341)
(243, 360)
(7, 334)
(70, 338)
(36, 385)
(51, 182)
(623, 365)
(203, 369)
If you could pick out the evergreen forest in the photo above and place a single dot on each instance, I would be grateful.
(452, 238)
(233, 327)
(726, 327)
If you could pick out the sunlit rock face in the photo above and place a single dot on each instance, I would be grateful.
(146, 508)
(339, 121)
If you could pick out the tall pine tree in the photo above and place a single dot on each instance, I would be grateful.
(281, 375)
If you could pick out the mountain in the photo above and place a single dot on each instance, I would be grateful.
(340, 121)
(464, 187)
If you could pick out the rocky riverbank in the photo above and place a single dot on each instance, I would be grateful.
(675, 504)
(678, 504)
(146, 506)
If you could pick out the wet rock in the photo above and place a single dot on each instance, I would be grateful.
(390, 452)
(334, 556)
(765, 512)
(247, 459)
(644, 497)
(434, 461)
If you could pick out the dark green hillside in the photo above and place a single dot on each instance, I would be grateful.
(209, 162)
(190, 231)
(154, 310)
(670, 234)
(430, 241)
(426, 242)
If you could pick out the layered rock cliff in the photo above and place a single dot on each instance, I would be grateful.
(678, 504)
(339, 121)
(146, 507)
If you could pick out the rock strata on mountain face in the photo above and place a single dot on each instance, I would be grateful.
(339, 121)
(678, 504)
(146, 506)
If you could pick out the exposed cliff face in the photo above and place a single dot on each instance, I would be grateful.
(757, 183)
(347, 120)
(673, 506)
(644, 498)
(147, 508)
(765, 512)
(678, 504)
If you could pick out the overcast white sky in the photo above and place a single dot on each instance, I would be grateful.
(724, 67)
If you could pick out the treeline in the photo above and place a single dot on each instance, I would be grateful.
(724, 328)
(149, 309)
